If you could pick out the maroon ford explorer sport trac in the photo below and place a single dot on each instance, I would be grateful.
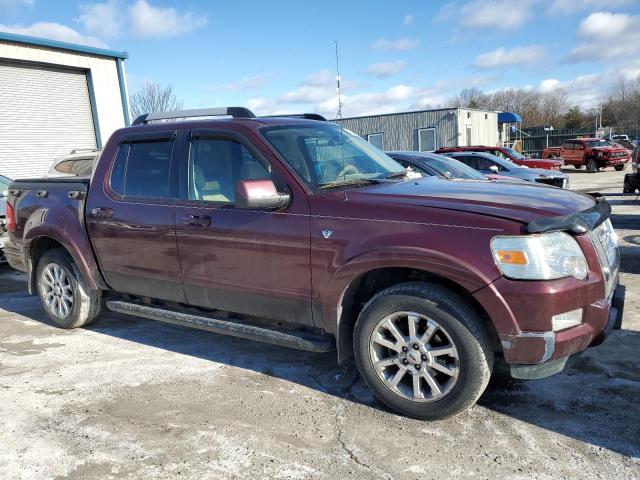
(295, 231)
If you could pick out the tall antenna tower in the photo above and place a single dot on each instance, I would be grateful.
(339, 114)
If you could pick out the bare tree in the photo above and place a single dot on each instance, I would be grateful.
(154, 97)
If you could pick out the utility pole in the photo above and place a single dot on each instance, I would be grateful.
(339, 114)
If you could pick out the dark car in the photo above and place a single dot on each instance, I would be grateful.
(434, 164)
(300, 233)
(487, 163)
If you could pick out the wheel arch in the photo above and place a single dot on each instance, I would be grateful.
(368, 283)
(39, 240)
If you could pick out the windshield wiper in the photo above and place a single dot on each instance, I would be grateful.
(356, 182)
(400, 174)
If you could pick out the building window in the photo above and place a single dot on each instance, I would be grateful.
(376, 139)
(427, 139)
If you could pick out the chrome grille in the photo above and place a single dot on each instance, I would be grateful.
(605, 241)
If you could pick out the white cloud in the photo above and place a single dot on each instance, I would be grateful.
(571, 6)
(503, 57)
(490, 14)
(140, 19)
(386, 69)
(408, 20)
(104, 19)
(54, 31)
(606, 35)
(149, 21)
(398, 45)
(248, 83)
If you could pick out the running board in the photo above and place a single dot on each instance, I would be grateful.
(297, 339)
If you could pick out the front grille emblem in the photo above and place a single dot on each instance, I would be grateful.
(327, 233)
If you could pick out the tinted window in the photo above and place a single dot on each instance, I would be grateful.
(65, 166)
(416, 168)
(118, 169)
(599, 143)
(467, 160)
(142, 170)
(215, 165)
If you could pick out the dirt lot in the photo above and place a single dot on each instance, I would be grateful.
(128, 398)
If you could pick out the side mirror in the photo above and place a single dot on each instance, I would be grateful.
(260, 194)
(494, 169)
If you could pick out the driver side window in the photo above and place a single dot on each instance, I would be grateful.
(215, 165)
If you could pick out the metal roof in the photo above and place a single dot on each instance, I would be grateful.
(72, 47)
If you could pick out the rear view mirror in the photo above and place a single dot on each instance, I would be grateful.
(259, 194)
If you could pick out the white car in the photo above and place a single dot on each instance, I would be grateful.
(77, 162)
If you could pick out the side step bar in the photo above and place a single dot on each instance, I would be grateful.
(299, 340)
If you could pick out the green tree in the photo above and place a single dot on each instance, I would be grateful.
(574, 118)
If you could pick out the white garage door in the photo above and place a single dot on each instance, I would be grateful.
(44, 114)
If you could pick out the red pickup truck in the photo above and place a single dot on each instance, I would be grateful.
(299, 233)
(595, 153)
(510, 154)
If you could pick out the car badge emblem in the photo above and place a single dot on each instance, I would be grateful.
(327, 233)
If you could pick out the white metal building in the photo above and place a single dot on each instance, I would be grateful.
(56, 97)
(427, 130)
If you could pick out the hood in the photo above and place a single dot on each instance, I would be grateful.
(519, 201)
(545, 173)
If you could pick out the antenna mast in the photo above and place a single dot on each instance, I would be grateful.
(339, 114)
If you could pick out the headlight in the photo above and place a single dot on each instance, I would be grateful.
(539, 257)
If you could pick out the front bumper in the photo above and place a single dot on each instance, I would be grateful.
(562, 348)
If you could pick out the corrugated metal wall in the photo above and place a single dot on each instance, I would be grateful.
(401, 129)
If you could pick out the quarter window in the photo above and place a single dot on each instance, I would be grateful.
(65, 166)
(215, 165)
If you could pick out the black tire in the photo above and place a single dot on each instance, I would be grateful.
(592, 165)
(85, 305)
(578, 167)
(621, 167)
(462, 324)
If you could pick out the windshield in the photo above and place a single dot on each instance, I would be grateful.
(514, 154)
(598, 143)
(328, 155)
(4, 183)
(454, 168)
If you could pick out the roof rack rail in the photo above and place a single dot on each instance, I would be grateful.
(235, 112)
(78, 150)
(306, 116)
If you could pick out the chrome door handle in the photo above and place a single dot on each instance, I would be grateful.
(100, 212)
(197, 220)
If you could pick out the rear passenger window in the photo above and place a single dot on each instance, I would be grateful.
(142, 169)
(215, 165)
(568, 146)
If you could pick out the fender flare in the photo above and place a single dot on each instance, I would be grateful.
(466, 276)
(66, 235)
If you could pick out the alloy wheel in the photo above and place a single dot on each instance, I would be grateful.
(414, 356)
(56, 289)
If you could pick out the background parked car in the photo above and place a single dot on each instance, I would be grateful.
(486, 163)
(510, 154)
(78, 162)
(4, 186)
(595, 153)
(440, 165)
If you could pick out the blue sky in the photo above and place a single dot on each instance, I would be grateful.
(278, 56)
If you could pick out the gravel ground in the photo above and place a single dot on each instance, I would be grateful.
(131, 398)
